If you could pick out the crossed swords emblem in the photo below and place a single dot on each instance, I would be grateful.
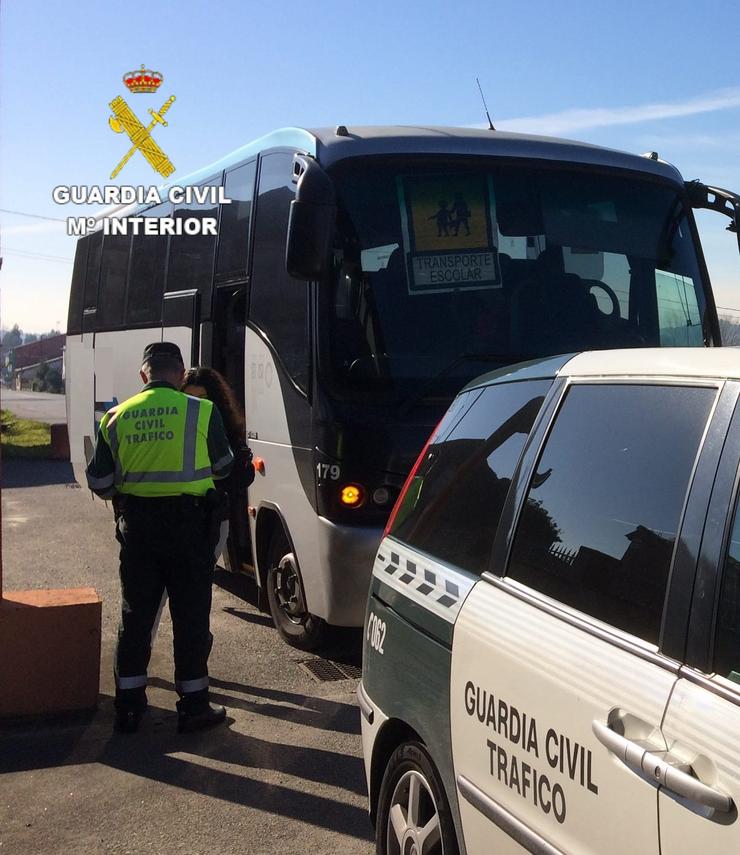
(124, 119)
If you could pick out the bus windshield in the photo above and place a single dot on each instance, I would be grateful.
(445, 269)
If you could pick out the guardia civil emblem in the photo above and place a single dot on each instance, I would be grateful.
(124, 120)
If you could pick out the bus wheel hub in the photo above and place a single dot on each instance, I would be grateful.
(288, 589)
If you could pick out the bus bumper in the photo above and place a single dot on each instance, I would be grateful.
(346, 556)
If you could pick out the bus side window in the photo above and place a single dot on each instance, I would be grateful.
(192, 256)
(279, 303)
(92, 273)
(77, 290)
(233, 231)
(146, 277)
(113, 276)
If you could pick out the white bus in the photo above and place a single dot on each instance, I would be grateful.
(359, 278)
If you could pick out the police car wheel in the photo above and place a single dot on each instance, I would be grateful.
(413, 813)
(295, 624)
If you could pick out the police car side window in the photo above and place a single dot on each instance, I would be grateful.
(600, 519)
(727, 640)
(452, 508)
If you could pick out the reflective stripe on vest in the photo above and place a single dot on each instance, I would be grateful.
(147, 433)
(100, 483)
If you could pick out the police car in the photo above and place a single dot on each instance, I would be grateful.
(552, 637)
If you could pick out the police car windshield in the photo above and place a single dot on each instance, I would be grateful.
(436, 261)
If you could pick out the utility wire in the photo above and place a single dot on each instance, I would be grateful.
(36, 255)
(33, 216)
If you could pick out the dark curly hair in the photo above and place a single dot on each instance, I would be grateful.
(222, 395)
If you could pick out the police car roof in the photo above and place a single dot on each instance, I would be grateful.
(669, 362)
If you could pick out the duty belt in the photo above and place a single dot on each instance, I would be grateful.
(184, 500)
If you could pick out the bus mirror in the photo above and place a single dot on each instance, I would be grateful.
(311, 222)
(717, 199)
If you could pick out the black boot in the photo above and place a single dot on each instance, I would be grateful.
(130, 707)
(127, 721)
(213, 714)
(194, 712)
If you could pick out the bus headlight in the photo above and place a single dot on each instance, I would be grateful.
(352, 495)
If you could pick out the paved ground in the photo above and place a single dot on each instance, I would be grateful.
(284, 775)
(42, 406)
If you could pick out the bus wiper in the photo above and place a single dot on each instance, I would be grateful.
(501, 358)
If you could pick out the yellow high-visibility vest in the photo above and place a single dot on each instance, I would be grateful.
(159, 444)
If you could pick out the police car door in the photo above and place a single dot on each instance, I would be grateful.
(558, 677)
(699, 801)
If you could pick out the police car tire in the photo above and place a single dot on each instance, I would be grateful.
(309, 632)
(413, 757)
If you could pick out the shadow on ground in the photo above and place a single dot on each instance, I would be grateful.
(216, 762)
(343, 644)
(28, 472)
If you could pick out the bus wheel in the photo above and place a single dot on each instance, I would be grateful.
(413, 813)
(296, 625)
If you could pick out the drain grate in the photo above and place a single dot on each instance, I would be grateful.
(353, 672)
(325, 671)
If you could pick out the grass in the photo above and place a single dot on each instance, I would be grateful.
(23, 437)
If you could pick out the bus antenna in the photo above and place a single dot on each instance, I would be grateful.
(485, 106)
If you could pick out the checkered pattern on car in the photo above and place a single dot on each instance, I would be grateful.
(437, 588)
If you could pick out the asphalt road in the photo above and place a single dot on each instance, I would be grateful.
(283, 775)
(41, 406)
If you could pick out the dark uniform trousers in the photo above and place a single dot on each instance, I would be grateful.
(166, 543)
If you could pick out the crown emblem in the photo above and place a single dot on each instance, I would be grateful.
(144, 80)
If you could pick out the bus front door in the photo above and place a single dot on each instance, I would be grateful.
(229, 313)
(181, 322)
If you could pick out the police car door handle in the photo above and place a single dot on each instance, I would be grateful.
(662, 769)
(629, 752)
(686, 784)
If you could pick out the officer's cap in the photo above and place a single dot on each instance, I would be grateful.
(162, 350)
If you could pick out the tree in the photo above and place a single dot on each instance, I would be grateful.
(46, 379)
(729, 326)
(38, 384)
(30, 337)
(54, 382)
(13, 338)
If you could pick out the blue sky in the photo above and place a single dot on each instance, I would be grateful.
(635, 76)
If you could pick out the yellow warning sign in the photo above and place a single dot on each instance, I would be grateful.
(449, 213)
(450, 241)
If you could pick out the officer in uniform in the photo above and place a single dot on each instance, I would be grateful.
(156, 456)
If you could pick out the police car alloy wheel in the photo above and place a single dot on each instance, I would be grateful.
(296, 625)
(413, 814)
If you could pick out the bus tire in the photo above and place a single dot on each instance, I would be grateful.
(285, 597)
(424, 826)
